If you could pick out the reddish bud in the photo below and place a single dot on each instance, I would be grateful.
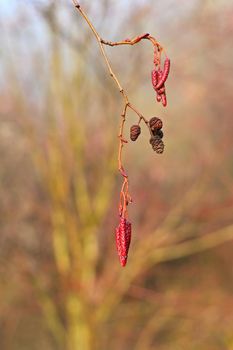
(142, 36)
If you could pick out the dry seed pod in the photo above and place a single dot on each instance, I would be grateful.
(157, 144)
(155, 124)
(135, 131)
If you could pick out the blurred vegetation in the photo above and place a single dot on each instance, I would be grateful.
(62, 286)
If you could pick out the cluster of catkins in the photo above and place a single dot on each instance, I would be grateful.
(158, 78)
(155, 124)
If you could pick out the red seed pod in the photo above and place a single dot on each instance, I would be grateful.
(123, 238)
(135, 131)
(166, 70)
(154, 78)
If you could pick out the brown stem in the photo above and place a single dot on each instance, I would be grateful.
(99, 40)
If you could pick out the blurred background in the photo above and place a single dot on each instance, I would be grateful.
(61, 284)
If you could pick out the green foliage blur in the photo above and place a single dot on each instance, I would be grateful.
(61, 284)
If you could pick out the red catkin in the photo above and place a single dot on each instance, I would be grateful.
(160, 74)
(166, 70)
(161, 90)
(118, 241)
(123, 238)
(164, 99)
(158, 97)
(154, 78)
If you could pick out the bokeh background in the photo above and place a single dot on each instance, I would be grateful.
(61, 284)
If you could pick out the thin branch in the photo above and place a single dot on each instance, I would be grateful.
(99, 40)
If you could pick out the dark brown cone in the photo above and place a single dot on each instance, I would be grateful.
(157, 144)
(135, 131)
(155, 124)
(159, 133)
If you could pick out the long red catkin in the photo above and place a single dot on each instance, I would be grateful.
(161, 90)
(118, 241)
(123, 238)
(159, 76)
(158, 97)
(166, 70)
(154, 78)
(164, 99)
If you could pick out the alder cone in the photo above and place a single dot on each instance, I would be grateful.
(135, 131)
(155, 124)
(159, 133)
(157, 144)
